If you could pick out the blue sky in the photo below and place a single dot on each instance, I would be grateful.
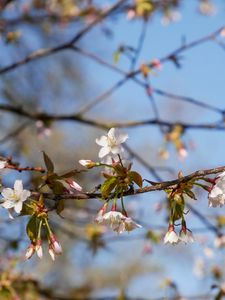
(201, 77)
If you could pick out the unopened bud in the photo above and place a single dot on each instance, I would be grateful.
(74, 185)
(38, 249)
(30, 251)
(87, 163)
(56, 247)
(51, 253)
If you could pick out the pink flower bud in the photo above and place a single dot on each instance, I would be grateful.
(87, 163)
(30, 251)
(51, 253)
(55, 245)
(74, 185)
(38, 249)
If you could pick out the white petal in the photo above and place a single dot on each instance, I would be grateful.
(103, 151)
(8, 204)
(18, 207)
(215, 191)
(24, 195)
(7, 193)
(18, 187)
(117, 150)
(222, 175)
(122, 138)
(111, 133)
(102, 141)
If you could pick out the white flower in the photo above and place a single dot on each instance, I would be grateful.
(112, 142)
(217, 194)
(2, 164)
(127, 225)
(112, 218)
(15, 197)
(117, 221)
(186, 236)
(171, 237)
(99, 217)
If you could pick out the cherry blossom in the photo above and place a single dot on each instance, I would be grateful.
(126, 224)
(14, 198)
(186, 236)
(217, 194)
(116, 220)
(112, 142)
(171, 236)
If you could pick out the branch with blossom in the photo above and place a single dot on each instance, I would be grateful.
(119, 182)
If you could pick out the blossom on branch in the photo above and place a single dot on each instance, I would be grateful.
(74, 185)
(14, 198)
(34, 247)
(87, 163)
(217, 194)
(186, 236)
(112, 142)
(116, 220)
(171, 236)
(54, 247)
(126, 224)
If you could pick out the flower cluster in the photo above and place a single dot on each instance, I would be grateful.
(184, 236)
(119, 181)
(118, 222)
(54, 248)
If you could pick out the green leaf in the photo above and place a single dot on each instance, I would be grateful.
(57, 187)
(190, 194)
(32, 228)
(108, 186)
(136, 178)
(60, 207)
(26, 210)
(48, 163)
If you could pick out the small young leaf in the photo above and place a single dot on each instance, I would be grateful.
(190, 194)
(32, 228)
(57, 187)
(136, 178)
(60, 207)
(48, 163)
(108, 186)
